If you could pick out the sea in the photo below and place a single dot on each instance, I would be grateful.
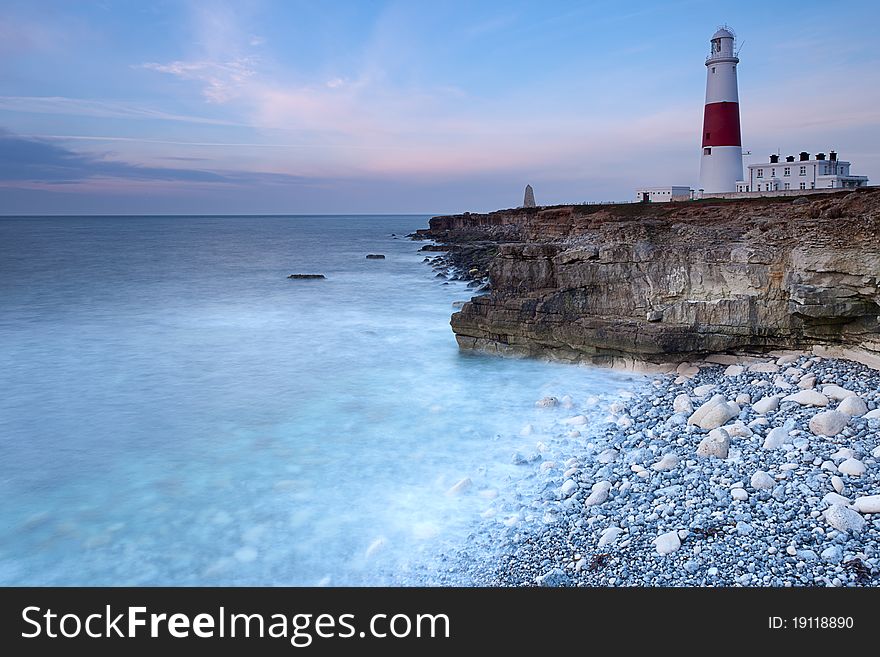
(175, 411)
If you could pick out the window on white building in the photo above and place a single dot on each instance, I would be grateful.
(803, 172)
(760, 173)
(707, 151)
(772, 173)
(786, 171)
(803, 185)
(787, 186)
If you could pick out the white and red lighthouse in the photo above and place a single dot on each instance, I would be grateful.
(721, 164)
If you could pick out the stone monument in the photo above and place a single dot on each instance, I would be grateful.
(529, 198)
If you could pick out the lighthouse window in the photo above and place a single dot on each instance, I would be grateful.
(713, 69)
(707, 151)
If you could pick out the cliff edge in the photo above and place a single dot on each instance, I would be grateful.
(668, 282)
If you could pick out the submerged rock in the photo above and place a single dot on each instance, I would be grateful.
(307, 276)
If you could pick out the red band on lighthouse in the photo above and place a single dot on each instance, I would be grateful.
(721, 125)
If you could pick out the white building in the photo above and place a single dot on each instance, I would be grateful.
(663, 194)
(801, 172)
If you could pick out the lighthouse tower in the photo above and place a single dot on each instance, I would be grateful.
(721, 163)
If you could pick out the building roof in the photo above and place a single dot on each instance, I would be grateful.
(723, 32)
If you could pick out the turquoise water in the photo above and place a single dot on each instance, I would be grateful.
(175, 411)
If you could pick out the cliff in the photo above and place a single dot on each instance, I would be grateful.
(668, 282)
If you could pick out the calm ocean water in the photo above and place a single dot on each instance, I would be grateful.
(174, 411)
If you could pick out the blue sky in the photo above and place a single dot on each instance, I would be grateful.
(299, 107)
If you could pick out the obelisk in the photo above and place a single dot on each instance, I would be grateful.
(529, 198)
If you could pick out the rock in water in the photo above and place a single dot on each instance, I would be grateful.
(667, 543)
(547, 402)
(375, 547)
(375, 256)
(307, 276)
(716, 444)
(529, 197)
(852, 406)
(714, 413)
(829, 423)
(460, 487)
(867, 504)
(844, 519)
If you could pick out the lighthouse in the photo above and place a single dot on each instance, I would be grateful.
(721, 164)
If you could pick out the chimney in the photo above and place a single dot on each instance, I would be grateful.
(820, 156)
(789, 158)
(832, 156)
(774, 159)
(805, 156)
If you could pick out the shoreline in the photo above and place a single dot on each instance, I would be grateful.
(634, 504)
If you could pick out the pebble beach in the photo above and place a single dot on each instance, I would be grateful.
(736, 471)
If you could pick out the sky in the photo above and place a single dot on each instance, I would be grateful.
(297, 107)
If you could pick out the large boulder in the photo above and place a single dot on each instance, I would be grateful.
(829, 423)
(714, 413)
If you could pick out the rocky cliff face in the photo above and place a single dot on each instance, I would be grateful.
(669, 282)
